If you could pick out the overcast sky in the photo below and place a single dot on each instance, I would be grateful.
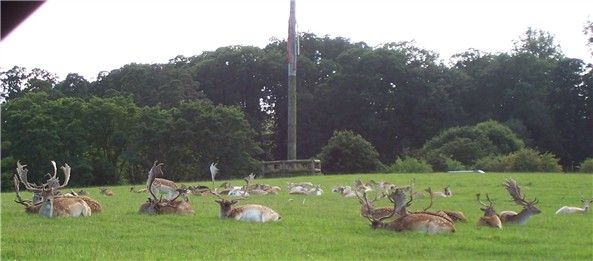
(87, 37)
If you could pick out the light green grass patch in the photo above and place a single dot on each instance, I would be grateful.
(323, 227)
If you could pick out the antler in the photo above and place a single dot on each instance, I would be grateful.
(515, 191)
(490, 203)
(22, 176)
(18, 199)
(429, 190)
(66, 169)
(152, 175)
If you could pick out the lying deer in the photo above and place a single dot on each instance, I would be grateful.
(528, 210)
(142, 190)
(367, 208)
(425, 222)
(344, 191)
(450, 214)
(251, 213)
(164, 206)
(106, 191)
(315, 190)
(51, 204)
(164, 186)
(443, 194)
(490, 218)
(576, 210)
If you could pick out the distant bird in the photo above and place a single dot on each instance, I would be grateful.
(213, 171)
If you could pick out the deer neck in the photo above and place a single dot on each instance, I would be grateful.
(47, 209)
(523, 216)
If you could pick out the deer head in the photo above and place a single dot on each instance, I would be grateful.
(586, 203)
(515, 191)
(487, 209)
(366, 209)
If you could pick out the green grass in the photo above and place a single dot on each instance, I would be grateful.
(324, 227)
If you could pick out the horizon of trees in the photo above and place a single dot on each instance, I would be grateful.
(397, 96)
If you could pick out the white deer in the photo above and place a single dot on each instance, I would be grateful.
(164, 186)
(250, 213)
(576, 210)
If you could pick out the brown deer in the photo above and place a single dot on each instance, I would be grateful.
(164, 206)
(446, 193)
(53, 205)
(528, 210)
(164, 186)
(106, 191)
(490, 218)
(142, 190)
(367, 208)
(576, 210)
(250, 213)
(30, 207)
(454, 215)
(425, 222)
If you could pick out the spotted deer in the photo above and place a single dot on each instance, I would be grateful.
(156, 205)
(454, 215)
(250, 213)
(490, 218)
(424, 222)
(164, 186)
(576, 210)
(367, 206)
(53, 205)
(106, 191)
(443, 194)
(528, 210)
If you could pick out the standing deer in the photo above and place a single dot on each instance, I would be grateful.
(164, 206)
(53, 205)
(424, 222)
(528, 210)
(576, 210)
(490, 218)
(251, 213)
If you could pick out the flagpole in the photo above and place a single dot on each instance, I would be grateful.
(291, 49)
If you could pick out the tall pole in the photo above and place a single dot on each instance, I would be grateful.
(292, 52)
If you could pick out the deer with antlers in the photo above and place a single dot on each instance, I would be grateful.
(576, 210)
(156, 205)
(251, 213)
(423, 221)
(453, 215)
(490, 218)
(528, 210)
(52, 204)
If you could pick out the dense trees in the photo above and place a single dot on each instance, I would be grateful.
(229, 105)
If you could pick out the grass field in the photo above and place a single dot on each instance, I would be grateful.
(323, 227)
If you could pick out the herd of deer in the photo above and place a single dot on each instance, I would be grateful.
(48, 201)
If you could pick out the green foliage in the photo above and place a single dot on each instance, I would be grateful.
(348, 152)
(309, 228)
(525, 160)
(409, 165)
(587, 165)
(468, 144)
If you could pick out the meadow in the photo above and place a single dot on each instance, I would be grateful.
(326, 227)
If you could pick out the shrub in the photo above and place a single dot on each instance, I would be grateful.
(469, 143)
(587, 165)
(348, 152)
(409, 165)
(525, 160)
(454, 165)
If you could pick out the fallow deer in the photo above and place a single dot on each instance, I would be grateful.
(30, 207)
(133, 189)
(443, 194)
(453, 215)
(367, 208)
(528, 210)
(576, 210)
(164, 186)
(163, 206)
(250, 213)
(315, 190)
(106, 191)
(344, 191)
(424, 222)
(53, 205)
(490, 218)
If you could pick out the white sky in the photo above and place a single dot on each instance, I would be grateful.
(87, 37)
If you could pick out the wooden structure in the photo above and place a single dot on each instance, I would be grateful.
(291, 167)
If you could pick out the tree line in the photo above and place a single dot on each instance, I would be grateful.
(230, 105)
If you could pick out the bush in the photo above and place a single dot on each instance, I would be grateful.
(454, 165)
(348, 152)
(587, 165)
(441, 162)
(525, 160)
(469, 143)
(409, 165)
